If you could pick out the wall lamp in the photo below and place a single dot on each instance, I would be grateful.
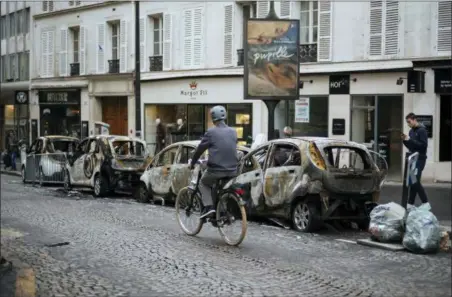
(301, 83)
(354, 79)
(399, 81)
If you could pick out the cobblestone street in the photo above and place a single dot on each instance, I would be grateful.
(117, 247)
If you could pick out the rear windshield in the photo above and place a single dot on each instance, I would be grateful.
(346, 158)
(61, 146)
(127, 148)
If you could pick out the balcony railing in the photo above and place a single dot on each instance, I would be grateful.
(113, 66)
(240, 57)
(75, 69)
(308, 53)
(156, 63)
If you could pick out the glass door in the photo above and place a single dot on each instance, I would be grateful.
(195, 121)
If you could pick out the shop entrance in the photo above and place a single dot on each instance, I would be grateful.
(445, 131)
(114, 113)
(377, 122)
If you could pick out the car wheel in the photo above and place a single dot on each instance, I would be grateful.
(22, 173)
(305, 217)
(100, 185)
(66, 181)
(142, 195)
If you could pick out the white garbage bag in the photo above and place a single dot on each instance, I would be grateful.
(423, 233)
(386, 222)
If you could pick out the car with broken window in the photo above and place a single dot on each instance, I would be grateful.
(311, 181)
(45, 160)
(106, 163)
(169, 171)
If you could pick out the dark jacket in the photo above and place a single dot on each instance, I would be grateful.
(221, 141)
(418, 141)
(161, 133)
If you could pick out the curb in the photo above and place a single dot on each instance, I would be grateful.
(13, 173)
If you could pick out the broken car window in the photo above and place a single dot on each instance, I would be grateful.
(167, 157)
(285, 155)
(186, 154)
(346, 158)
(255, 160)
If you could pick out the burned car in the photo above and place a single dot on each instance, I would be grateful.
(106, 163)
(169, 171)
(310, 181)
(45, 160)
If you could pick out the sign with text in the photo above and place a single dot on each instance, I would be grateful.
(416, 81)
(272, 62)
(59, 97)
(339, 84)
(193, 91)
(443, 83)
(302, 110)
(338, 126)
(427, 121)
(21, 97)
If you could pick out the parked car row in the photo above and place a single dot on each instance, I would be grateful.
(305, 180)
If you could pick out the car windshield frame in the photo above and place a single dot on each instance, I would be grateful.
(50, 146)
(113, 152)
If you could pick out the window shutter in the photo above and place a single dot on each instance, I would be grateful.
(100, 50)
(444, 26)
(44, 50)
(228, 34)
(51, 56)
(263, 7)
(123, 46)
(167, 41)
(63, 63)
(50, 5)
(391, 41)
(188, 38)
(324, 46)
(82, 50)
(198, 40)
(285, 9)
(143, 44)
(45, 5)
(376, 28)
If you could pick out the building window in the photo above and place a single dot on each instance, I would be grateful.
(3, 31)
(27, 20)
(71, 3)
(47, 5)
(12, 24)
(249, 10)
(4, 68)
(75, 44)
(78, 3)
(24, 66)
(115, 41)
(157, 22)
(309, 19)
(13, 66)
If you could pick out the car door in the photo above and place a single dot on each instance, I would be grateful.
(76, 162)
(282, 174)
(181, 170)
(90, 161)
(251, 176)
(161, 173)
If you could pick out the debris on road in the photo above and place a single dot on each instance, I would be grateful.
(444, 244)
(386, 223)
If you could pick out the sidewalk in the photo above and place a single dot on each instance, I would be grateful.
(10, 172)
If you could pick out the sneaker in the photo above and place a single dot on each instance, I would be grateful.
(426, 206)
(409, 207)
(208, 211)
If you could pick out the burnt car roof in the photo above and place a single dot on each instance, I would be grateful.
(197, 142)
(297, 140)
(116, 137)
(59, 137)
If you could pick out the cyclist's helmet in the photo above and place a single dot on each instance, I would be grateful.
(218, 113)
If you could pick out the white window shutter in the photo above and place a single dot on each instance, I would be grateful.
(228, 34)
(444, 32)
(143, 44)
(285, 9)
(376, 28)
(391, 41)
(198, 36)
(82, 50)
(324, 42)
(44, 51)
(51, 54)
(188, 38)
(63, 63)
(123, 46)
(167, 41)
(100, 48)
(263, 7)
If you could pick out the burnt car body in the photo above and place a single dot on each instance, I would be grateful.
(106, 163)
(45, 160)
(169, 171)
(310, 180)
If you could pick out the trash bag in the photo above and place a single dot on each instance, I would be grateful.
(423, 233)
(386, 222)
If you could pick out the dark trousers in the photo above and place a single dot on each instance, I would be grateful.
(417, 188)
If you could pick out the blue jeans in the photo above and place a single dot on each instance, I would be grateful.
(13, 161)
(417, 188)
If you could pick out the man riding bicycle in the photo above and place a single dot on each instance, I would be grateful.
(221, 143)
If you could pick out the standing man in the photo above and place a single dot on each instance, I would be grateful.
(416, 141)
(160, 137)
(12, 148)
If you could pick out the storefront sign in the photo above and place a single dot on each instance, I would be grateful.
(416, 81)
(272, 59)
(59, 97)
(302, 110)
(193, 92)
(339, 84)
(338, 126)
(21, 97)
(443, 83)
(427, 121)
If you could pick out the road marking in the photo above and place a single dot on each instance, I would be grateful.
(25, 283)
(346, 240)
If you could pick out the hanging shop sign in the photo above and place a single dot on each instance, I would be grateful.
(416, 81)
(21, 97)
(272, 62)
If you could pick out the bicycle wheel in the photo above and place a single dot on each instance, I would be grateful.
(188, 211)
(231, 219)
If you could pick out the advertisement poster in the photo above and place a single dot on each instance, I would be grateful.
(272, 59)
(302, 110)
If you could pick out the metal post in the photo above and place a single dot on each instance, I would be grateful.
(271, 106)
(272, 13)
(376, 125)
(137, 72)
(404, 185)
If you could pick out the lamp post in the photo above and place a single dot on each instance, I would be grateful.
(137, 81)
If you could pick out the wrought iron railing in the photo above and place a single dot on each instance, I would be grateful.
(113, 66)
(156, 63)
(308, 53)
(75, 69)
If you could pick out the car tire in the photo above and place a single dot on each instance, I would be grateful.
(100, 185)
(66, 181)
(305, 216)
(142, 194)
(363, 224)
(22, 173)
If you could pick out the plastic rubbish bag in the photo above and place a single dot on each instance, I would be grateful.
(386, 222)
(423, 233)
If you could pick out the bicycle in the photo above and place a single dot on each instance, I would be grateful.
(224, 217)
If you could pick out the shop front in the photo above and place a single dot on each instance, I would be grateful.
(14, 114)
(183, 107)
